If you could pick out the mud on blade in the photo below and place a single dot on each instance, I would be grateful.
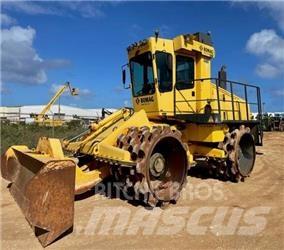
(44, 190)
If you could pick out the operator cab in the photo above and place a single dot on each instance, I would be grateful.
(163, 73)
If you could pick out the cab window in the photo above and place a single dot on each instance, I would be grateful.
(164, 71)
(184, 72)
(142, 78)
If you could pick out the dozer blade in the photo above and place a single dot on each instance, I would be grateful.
(43, 187)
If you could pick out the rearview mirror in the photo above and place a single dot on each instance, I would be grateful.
(123, 76)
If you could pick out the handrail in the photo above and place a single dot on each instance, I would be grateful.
(233, 101)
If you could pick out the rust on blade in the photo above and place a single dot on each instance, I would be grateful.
(44, 190)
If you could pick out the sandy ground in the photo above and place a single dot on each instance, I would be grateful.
(252, 210)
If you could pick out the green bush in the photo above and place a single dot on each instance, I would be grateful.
(28, 134)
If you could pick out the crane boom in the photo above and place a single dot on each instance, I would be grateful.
(60, 91)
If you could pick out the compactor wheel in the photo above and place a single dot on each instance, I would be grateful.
(240, 148)
(160, 164)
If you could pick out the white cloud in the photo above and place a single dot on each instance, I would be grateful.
(119, 89)
(267, 43)
(164, 30)
(275, 9)
(267, 70)
(55, 63)
(279, 92)
(67, 8)
(126, 103)
(84, 92)
(81, 92)
(137, 31)
(3, 90)
(55, 87)
(20, 61)
(269, 46)
(85, 9)
(7, 20)
(31, 8)
(18, 34)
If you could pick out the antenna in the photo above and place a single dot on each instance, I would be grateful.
(157, 34)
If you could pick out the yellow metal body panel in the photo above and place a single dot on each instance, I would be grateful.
(157, 104)
(207, 94)
(102, 141)
(189, 43)
(97, 132)
(50, 146)
(204, 133)
(85, 180)
(198, 150)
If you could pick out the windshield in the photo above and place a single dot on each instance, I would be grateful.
(142, 75)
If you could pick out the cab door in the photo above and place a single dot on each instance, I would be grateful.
(184, 92)
(164, 66)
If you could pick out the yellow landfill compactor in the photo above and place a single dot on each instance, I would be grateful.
(180, 116)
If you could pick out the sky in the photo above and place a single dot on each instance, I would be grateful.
(44, 44)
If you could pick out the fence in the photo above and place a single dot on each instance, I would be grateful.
(20, 117)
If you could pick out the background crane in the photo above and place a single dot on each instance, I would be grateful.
(42, 118)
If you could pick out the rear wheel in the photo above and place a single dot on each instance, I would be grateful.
(240, 149)
(245, 154)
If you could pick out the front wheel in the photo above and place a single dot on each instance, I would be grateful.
(161, 163)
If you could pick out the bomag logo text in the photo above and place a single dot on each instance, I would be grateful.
(145, 100)
(206, 50)
(210, 51)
